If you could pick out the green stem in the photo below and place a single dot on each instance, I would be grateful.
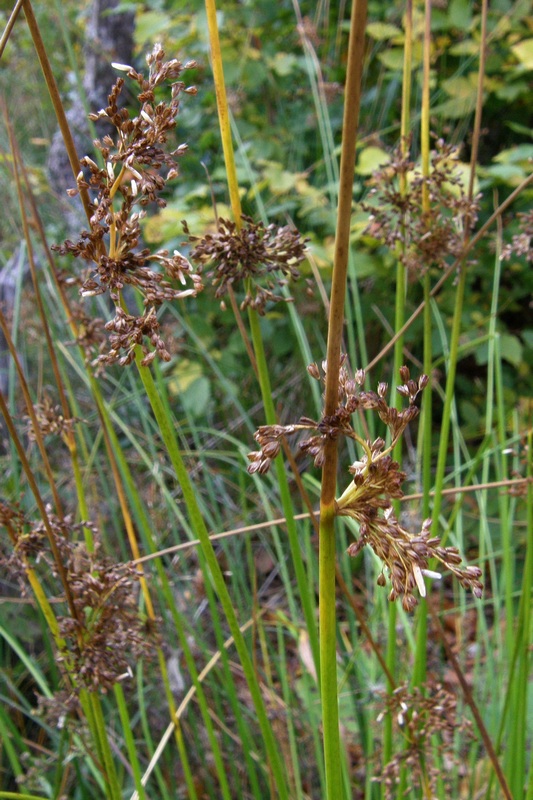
(169, 437)
(129, 739)
(328, 654)
(288, 510)
(458, 312)
(419, 667)
(17, 796)
(101, 737)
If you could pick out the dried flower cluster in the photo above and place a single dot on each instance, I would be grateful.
(522, 243)
(261, 257)
(351, 399)
(428, 720)
(50, 419)
(430, 237)
(106, 635)
(130, 179)
(377, 480)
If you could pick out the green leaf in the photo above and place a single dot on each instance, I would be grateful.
(463, 93)
(470, 414)
(510, 92)
(392, 59)
(370, 159)
(197, 396)
(511, 174)
(527, 336)
(515, 155)
(466, 48)
(367, 265)
(460, 14)
(283, 64)
(511, 349)
(523, 51)
(523, 130)
(149, 25)
(382, 31)
(191, 386)
(279, 180)
(461, 87)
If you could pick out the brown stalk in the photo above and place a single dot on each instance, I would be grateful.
(342, 241)
(9, 26)
(38, 499)
(18, 169)
(473, 707)
(56, 100)
(327, 560)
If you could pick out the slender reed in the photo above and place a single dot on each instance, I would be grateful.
(461, 285)
(327, 559)
(259, 356)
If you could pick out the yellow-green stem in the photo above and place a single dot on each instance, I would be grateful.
(399, 317)
(223, 111)
(9, 25)
(258, 358)
(328, 653)
(419, 668)
(459, 300)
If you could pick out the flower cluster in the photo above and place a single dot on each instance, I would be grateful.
(351, 399)
(429, 237)
(132, 178)
(105, 634)
(405, 555)
(522, 243)
(261, 257)
(50, 419)
(377, 480)
(424, 715)
(109, 635)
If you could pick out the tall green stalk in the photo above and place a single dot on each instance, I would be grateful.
(419, 667)
(189, 495)
(328, 638)
(257, 339)
(461, 285)
(399, 318)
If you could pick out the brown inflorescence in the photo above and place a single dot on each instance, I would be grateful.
(522, 243)
(105, 635)
(429, 237)
(376, 481)
(263, 257)
(136, 169)
(428, 719)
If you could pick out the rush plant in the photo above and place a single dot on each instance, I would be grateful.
(182, 617)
